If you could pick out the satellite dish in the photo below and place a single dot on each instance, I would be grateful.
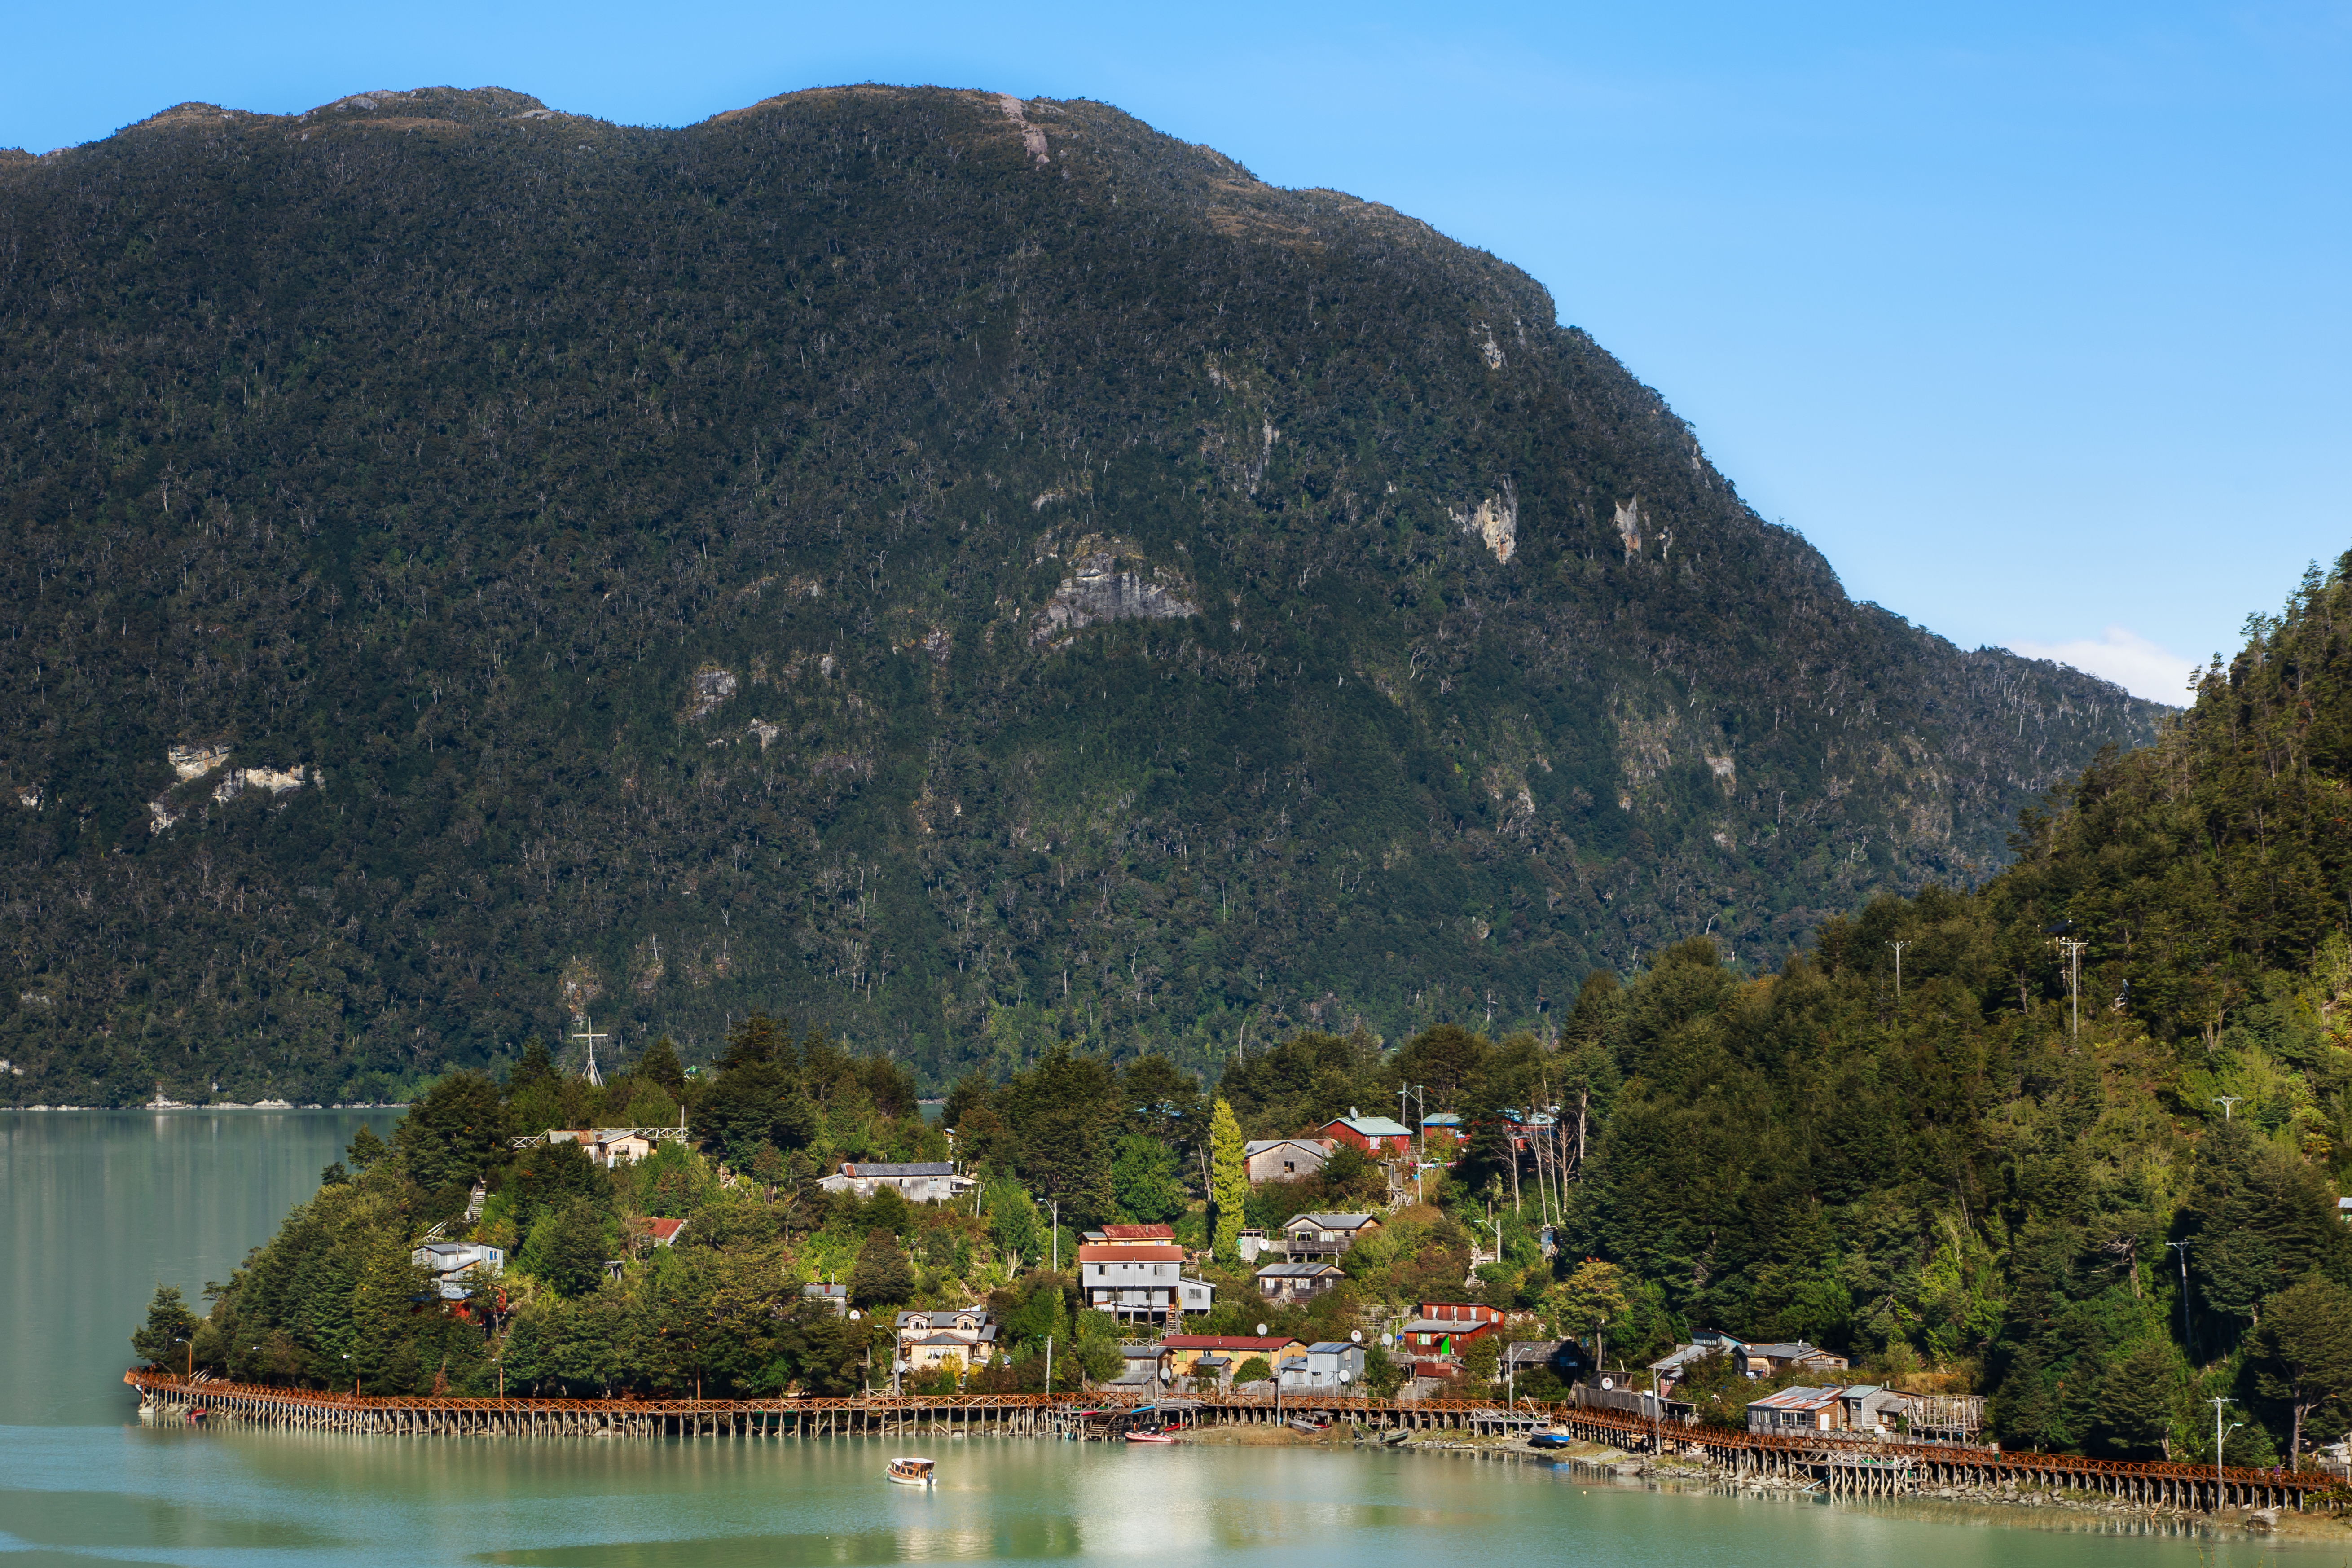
(1346, 1376)
(1608, 1383)
(853, 1315)
(1261, 1330)
(1355, 1336)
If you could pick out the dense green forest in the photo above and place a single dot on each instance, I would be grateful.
(2104, 1204)
(973, 574)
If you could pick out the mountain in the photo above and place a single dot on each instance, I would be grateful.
(962, 571)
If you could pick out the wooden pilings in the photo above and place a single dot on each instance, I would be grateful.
(1858, 1466)
(1843, 1464)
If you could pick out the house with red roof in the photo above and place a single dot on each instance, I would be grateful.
(1447, 1327)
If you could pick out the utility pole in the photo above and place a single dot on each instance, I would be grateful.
(1049, 1363)
(2219, 1437)
(2186, 1337)
(1401, 1092)
(2228, 1102)
(1898, 947)
(1420, 1103)
(2073, 948)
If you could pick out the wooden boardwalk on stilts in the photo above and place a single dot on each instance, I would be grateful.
(1844, 1465)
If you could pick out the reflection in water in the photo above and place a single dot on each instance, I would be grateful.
(97, 1208)
(121, 1519)
(794, 1551)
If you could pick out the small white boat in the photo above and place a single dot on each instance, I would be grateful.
(912, 1472)
(1154, 1437)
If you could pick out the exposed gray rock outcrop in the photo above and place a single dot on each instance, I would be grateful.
(1101, 588)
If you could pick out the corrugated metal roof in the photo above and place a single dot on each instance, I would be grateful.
(944, 1318)
(1796, 1399)
(1371, 1126)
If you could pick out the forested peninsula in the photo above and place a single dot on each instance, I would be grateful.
(973, 574)
(2101, 1203)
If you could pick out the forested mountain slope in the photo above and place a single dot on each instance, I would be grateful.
(2103, 1217)
(965, 572)
(1994, 1168)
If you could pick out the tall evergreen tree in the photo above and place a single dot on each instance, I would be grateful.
(1228, 1180)
(660, 1065)
(881, 1276)
(2306, 1340)
(455, 1133)
(2136, 1397)
(170, 1328)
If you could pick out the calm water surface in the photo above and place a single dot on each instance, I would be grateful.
(95, 1208)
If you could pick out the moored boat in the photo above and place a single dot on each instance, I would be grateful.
(912, 1472)
(1154, 1437)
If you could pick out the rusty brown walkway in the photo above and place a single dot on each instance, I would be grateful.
(1843, 1464)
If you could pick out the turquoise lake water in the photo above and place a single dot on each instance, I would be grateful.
(96, 1207)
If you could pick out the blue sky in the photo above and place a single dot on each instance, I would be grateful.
(2033, 318)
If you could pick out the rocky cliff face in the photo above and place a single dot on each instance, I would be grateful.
(965, 572)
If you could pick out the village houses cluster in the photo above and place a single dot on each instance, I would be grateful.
(1138, 1274)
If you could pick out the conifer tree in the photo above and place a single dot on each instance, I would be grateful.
(1229, 1179)
(881, 1276)
(661, 1066)
(364, 1149)
(2307, 1335)
(169, 1326)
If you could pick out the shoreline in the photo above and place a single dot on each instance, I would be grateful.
(1759, 1465)
(269, 1105)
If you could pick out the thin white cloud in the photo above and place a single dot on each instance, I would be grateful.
(2121, 655)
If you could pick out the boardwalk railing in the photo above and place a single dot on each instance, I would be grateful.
(1843, 1463)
